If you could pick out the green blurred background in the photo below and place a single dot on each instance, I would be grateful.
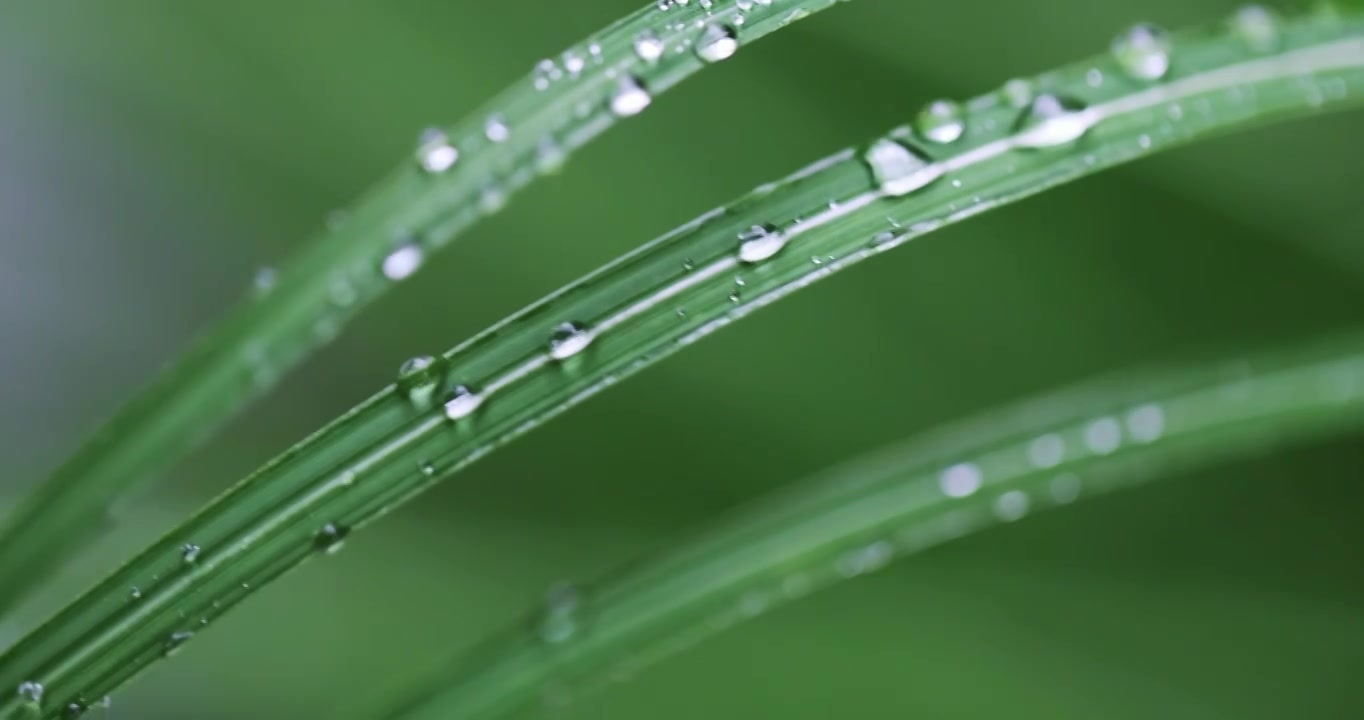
(154, 154)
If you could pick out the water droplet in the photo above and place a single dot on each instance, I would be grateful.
(561, 608)
(1047, 451)
(75, 710)
(189, 552)
(940, 122)
(717, 42)
(1146, 423)
(436, 154)
(403, 261)
(1011, 505)
(630, 97)
(735, 297)
(415, 364)
(1065, 488)
(1094, 77)
(759, 243)
(265, 280)
(1103, 436)
(331, 537)
(1052, 121)
(1143, 51)
(495, 129)
(549, 156)
(428, 468)
(574, 63)
(1258, 25)
(461, 402)
(961, 480)
(176, 641)
(135, 593)
(569, 339)
(898, 169)
(864, 560)
(31, 693)
(1018, 92)
(648, 46)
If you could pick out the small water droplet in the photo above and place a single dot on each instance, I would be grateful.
(1103, 436)
(574, 63)
(415, 364)
(569, 339)
(1047, 451)
(461, 402)
(436, 154)
(648, 46)
(549, 156)
(717, 42)
(265, 280)
(495, 129)
(1011, 505)
(941, 121)
(403, 261)
(175, 642)
(1258, 26)
(331, 537)
(898, 170)
(688, 265)
(560, 620)
(759, 243)
(1052, 121)
(428, 468)
(1018, 92)
(1143, 51)
(1065, 488)
(1146, 423)
(75, 710)
(135, 593)
(865, 560)
(189, 552)
(31, 692)
(629, 97)
(961, 480)
(1094, 77)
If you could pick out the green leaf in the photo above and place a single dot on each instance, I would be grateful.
(451, 411)
(854, 520)
(457, 176)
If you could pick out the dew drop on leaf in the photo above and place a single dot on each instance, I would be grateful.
(648, 46)
(630, 97)
(941, 121)
(560, 620)
(897, 169)
(1143, 51)
(1052, 121)
(1258, 26)
(717, 42)
(403, 261)
(331, 537)
(31, 692)
(190, 552)
(759, 243)
(436, 154)
(569, 339)
(461, 402)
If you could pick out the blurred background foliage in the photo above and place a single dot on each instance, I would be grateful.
(154, 154)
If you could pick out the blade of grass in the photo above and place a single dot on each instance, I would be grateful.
(854, 520)
(446, 413)
(458, 176)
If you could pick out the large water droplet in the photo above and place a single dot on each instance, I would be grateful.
(648, 46)
(1258, 25)
(717, 42)
(190, 552)
(568, 340)
(898, 170)
(759, 243)
(462, 402)
(941, 121)
(436, 154)
(31, 693)
(629, 97)
(561, 608)
(1146, 423)
(1052, 121)
(1103, 436)
(415, 382)
(403, 261)
(331, 537)
(1143, 51)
